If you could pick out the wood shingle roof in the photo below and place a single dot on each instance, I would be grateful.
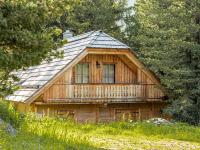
(34, 78)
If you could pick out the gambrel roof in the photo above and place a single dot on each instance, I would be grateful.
(34, 78)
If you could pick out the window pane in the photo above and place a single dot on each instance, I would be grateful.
(109, 73)
(104, 73)
(78, 79)
(111, 80)
(105, 80)
(111, 70)
(85, 79)
(105, 70)
(78, 68)
(82, 73)
(85, 69)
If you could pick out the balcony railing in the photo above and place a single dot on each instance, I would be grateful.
(119, 92)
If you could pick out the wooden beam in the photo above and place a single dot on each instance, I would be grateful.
(131, 101)
(101, 51)
(139, 114)
(129, 63)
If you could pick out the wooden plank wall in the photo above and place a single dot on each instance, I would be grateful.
(59, 91)
(101, 113)
(126, 72)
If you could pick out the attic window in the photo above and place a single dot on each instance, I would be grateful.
(109, 73)
(82, 73)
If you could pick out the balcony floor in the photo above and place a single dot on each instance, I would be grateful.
(100, 100)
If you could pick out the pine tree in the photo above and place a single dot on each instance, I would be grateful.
(169, 39)
(131, 31)
(88, 15)
(30, 31)
(25, 38)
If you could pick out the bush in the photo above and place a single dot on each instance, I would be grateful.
(9, 114)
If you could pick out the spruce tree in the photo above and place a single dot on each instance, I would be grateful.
(30, 30)
(89, 15)
(169, 43)
(25, 37)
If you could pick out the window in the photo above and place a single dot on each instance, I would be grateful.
(82, 73)
(109, 73)
(127, 114)
(67, 114)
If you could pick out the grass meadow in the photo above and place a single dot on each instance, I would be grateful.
(57, 134)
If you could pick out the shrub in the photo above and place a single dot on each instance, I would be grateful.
(9, 114)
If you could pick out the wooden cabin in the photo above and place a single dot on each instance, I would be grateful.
(98, 80)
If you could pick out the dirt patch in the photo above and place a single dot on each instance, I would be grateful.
(143, 144)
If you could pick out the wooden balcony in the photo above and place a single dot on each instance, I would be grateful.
(89, 93)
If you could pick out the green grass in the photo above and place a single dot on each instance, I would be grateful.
(51, 133)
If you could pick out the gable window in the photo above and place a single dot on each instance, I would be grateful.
(82, 73)
(109, 73)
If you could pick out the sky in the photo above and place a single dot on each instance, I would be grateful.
(121, 23)
(131, 2)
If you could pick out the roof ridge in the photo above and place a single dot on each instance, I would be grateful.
(94, 39)
(114, 39)
(84, 37)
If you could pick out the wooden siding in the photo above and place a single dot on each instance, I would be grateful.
(123, 74)
(131, 82)
(59, 91)
(103, 113)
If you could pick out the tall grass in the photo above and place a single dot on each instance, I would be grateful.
(9, 114)
(46, 132)
(65, 129)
